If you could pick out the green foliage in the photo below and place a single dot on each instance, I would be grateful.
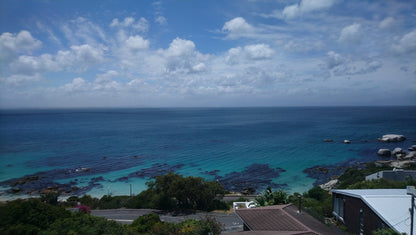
(89, 201)
(318, 193)
(113, 202)
(81, 223)
(145, 223)
(381, 183)
(268, 197)
(151, 223)
(50, 198)
(386, 231)
(28, 216)
(174, 191)
(351, 176)
(36, 217)
(209, 226)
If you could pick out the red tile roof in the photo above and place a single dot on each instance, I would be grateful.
(272, 218)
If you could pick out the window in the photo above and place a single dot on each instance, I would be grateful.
(338, 207)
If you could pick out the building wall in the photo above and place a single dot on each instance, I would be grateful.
(352, 217)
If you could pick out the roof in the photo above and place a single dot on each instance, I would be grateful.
(272, 218)
(397, 175)
(391, 205)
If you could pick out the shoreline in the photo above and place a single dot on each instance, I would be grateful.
(252, 179)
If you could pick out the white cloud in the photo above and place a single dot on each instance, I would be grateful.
(341, 66)
(259, 51)
(141, 25)
(30, 65)
(77, 85)
(136, 43)
(180, 47)
(249, 52)
(237, 27)
(351, 33)
(306, 6)
(199, 67)
(387, 23)
(106, 84)
(334, 59)
(80, 58)
(161, 20)
(22, 79)
(11, 44)
(406, 44)
(233, 55)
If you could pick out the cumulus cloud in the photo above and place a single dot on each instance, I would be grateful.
(259, 51)
(30, 65)
(136, 43)
(77, 85)
(141, 24)
(351, 33)
(180, 47)
(21, 79)
(80, 57)
(306, 6)
(250, 52)
(237, 27)
(340, 65)
(13, 44)
(406, 44)
(334, 59)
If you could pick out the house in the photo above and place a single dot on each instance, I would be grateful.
(281, 219)
(365, 210)
(395, 175)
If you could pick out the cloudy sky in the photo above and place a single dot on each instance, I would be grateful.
(207, 53)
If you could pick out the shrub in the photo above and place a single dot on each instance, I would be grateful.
(29, 216)
(80, 223)
(145, 223)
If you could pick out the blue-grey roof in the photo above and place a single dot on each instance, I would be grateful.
(391, 205)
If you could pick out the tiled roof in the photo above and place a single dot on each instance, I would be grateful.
(272, 218)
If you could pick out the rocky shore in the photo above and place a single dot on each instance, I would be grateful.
(253, 178)
(326, 175)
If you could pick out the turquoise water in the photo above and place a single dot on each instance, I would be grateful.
(206, 142)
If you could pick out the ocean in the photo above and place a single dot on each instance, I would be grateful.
(102, 151)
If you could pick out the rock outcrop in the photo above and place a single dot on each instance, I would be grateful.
(384, 152)
(392, 138)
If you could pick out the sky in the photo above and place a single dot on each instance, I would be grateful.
(181, 53)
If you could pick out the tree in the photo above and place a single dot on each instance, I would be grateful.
(172, 191)
(29, 216)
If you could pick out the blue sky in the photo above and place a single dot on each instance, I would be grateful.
(207, 53)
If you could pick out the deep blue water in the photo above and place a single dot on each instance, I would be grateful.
(116, 143)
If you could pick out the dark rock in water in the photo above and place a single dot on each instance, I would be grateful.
(214, 172)
(328, 140)
(384, 152)
(256, 176)
(155, 170)
(325, 173)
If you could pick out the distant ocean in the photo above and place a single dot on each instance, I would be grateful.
(107, 150)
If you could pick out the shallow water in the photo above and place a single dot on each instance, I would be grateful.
(207, 142)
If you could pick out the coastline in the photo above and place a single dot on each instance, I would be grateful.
(242, 149)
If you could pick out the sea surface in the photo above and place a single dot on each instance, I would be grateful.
(108, 150)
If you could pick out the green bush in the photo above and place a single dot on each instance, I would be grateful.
(81, 223)
(144, 223)
(151, 223)
(29, 216)
(172, 192)
(268, 197)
